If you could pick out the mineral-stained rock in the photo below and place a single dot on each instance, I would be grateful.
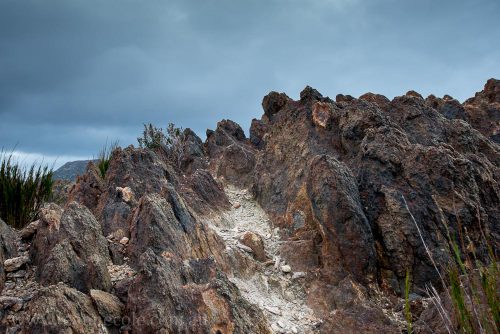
(342, 224)
(192, 298)
(374, 153)
(483, 110)
(71, 250)
(29, 230)
(57, 309)
(258, 130)
(14, 303)
(203, 193)
(15, 263)
(255, 243)
(274, 102)
(351, 188)
(109, 306)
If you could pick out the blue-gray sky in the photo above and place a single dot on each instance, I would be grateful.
(73, 73)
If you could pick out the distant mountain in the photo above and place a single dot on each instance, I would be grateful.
(70, 170)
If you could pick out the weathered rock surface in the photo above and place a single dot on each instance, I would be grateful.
(56, 309)
(230, 152)
(109, 306)
(88, 188)
(188, 298)
(483, 110)
(255, 243)
(69, 247)
(8, 248)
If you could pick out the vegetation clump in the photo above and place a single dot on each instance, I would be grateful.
(470, 284)
(169, 141)
(105, 156)
(23, 190)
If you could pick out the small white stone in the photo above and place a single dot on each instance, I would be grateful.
(124, 241)
(273, 310)
(286, 268)
(294, 330)
(298, 274)
(245, 248)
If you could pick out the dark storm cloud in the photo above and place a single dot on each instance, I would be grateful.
(73, 73)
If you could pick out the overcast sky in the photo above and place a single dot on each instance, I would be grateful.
(75, 73)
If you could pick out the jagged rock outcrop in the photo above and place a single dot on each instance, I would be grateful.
(309, 225)
(88, 188)
(230, 152)
(483, 110)
(69, 247)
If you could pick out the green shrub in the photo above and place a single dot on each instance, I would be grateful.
(105, 156)
(152, 137)
(169, 141)
(22, 190)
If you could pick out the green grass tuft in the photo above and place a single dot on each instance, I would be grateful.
(105, 156)
(22, 190)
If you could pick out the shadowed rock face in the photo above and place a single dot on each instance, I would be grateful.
(344, 167)
(343, 183)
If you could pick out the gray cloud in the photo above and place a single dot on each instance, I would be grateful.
(73, 73)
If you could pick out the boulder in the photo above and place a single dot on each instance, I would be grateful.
(255, 243)
(71, 250)
(109, 306)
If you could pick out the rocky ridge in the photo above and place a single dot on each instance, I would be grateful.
(307, 226)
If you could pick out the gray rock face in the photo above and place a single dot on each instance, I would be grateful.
(164, 224)
(57, 309)
(7, 240)
(230, 152)
(71, 250)
(8, 248)
(70, 170)
(193, 298)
